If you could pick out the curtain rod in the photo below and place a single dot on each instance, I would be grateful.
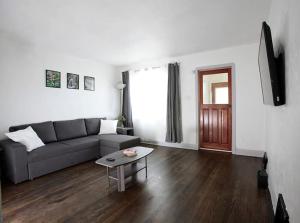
(152, 67)
(147, 68)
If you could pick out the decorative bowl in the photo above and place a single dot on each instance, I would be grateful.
(129, 152)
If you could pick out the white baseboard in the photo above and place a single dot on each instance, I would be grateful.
(216, 150)
(174, 145)
(248, 152)
(241, 152)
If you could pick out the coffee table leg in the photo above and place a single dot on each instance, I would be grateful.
(121, 178)
(133, 166)
(146, 164)
(107, 173)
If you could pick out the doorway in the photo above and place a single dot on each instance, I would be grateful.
(215, 109)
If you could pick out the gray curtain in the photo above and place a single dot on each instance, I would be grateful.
(1, 218)
(126, 108)
(174, 124)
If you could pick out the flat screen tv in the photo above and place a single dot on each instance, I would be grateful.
(272, 81)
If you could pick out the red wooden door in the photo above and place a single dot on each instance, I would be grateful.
(215, 115)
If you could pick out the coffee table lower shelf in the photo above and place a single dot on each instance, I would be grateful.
(120, 173)
(129, 171)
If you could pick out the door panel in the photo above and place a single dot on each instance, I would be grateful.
(225, 120)
(206, 125)
(215, 119)
(215, 125)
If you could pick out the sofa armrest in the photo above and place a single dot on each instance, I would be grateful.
(125, 131)
(15, 161)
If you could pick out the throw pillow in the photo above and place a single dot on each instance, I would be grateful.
(27, 137)
(108, 127)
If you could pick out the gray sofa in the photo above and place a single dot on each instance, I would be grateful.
(66, 143)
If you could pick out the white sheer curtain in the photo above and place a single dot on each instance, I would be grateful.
(148, 90)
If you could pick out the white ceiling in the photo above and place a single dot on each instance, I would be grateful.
(121, 32)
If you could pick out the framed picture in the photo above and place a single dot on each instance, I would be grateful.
(72, 81)
(89, 83)
(53, 79)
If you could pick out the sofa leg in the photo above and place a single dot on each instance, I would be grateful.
(29, 174)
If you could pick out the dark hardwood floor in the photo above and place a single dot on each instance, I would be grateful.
(182, 186)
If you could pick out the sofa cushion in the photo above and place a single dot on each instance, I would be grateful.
(118, 141)
(70, 129)
(93, 125)
(45, 130)
(49, 151)
(61, 148)
(83, 143)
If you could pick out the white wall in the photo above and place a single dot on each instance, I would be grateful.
(283, 123)
(249, 106)
(25, 99)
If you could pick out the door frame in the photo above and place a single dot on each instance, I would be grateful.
(233, 103)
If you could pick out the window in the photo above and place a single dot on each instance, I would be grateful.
(215, 89)
(148, 90)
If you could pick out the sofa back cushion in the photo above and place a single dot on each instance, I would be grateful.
(45, 130)
(93, 125)
(70, 129)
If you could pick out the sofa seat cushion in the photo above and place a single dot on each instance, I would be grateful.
(45, 130)
(118, 141)
(49, 151)
(83, 143)
(61, 148)
(70, 129)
